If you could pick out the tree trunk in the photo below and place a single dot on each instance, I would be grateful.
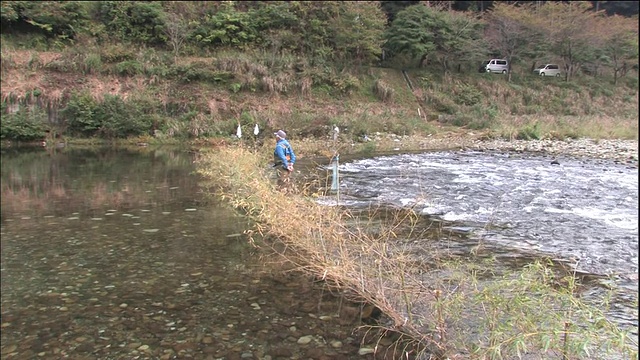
(422, 60)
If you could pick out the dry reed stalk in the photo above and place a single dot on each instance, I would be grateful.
(319, 241)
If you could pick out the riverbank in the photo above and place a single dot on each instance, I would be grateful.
(616, 150)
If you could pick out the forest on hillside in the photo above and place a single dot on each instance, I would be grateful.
(301, 45)
(346, 33)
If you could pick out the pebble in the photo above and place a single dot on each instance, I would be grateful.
(305, 339)
(365, 351)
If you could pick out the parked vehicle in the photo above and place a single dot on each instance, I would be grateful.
(548, 70)
(499, 66)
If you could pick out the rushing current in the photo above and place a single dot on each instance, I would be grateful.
(582, 211)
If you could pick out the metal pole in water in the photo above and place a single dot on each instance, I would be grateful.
(335, 179)
(335, 183)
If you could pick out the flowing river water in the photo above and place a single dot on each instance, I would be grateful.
(117, 254)
(576, 211)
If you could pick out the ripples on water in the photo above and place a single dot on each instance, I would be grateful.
(580, 209)
(581, 212)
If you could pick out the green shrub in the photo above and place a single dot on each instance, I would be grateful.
(442, 103)
(133, 21)
(26, 124)
(529, 133)
(345, 83)
(115, 53)
(61, 66)
(466, 94)
(201, 72)
(600, 90)
(92, 64)
(117, 119)
(163, 71)
(53, 19)
(129, 68)
(79, 114)
(461, 120)
(112, 118)
(528, 98)
(483, 117)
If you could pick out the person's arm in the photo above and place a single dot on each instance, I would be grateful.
(293, 155)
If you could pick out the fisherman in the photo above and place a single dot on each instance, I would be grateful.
(284, 157)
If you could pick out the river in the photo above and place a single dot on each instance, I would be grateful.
(117, 253)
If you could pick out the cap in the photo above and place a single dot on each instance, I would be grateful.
(281, 134)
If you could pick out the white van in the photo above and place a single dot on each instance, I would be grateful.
(548, 70)
(500, 66)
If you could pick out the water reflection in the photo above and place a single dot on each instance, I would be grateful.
(116, 254)
(51, 182)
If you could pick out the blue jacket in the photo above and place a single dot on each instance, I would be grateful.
(283, 154)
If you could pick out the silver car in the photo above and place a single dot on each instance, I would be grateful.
(548, 70)
(500, 66)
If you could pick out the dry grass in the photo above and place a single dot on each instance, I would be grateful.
(317, 240)
(560, 127)
(383, 91)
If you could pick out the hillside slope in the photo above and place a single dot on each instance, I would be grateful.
(196, 97)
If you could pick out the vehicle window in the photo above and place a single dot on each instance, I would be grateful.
(502, 63)
(553, 67)
(493, 62)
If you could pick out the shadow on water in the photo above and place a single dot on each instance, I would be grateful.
(118, 254)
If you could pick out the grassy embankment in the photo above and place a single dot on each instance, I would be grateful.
(202, 100)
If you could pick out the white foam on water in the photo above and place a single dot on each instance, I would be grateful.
(558, 211)
(575, 207)
(452, 216)
(613, 218)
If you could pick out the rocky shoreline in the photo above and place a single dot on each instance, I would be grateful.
(619, 151)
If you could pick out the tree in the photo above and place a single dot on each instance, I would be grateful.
(410, 33)
(391, 8)
(226, 27)
(457, 36)
(620, 43)
(177, 31)
(423, 31)
(507, 31)
(61, 19)
(179, 23)
(133, 21)
(571, 30)
(358, 29)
